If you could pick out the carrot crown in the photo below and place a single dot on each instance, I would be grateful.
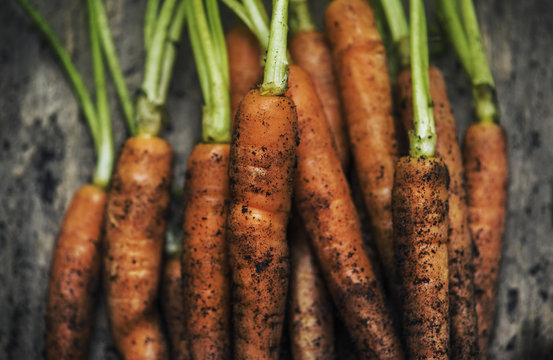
(300, 17)
(208, 45)
(422, 138)
(465, 36)
(97, 117)
(397, 23)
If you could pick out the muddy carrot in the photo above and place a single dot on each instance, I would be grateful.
(420, 217)
(324, 202)
(360, 63)
(244, 57)
(311, 52)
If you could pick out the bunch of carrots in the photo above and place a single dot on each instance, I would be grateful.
(270, 227)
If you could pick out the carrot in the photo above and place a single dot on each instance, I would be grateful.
(172, 300)
(244, 57)
(464, 333)
(360, 62)
(311, 52)
(324, 202)
(75, 276)
(310, 312)
(486, 170)
(204, 259)
(420, 216)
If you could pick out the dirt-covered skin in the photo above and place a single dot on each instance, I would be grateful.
(463, 322)
(244, 57)
(311, 52)
(486, 171)
(172, 300)
(136, 221)
(75, 276)
(420, 208)
(261, 170)
(360, 63)
(205, 268)
(324, 201)
(310, 310)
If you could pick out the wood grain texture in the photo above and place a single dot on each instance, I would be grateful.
(46, 154)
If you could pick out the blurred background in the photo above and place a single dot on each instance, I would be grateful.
(46, 154)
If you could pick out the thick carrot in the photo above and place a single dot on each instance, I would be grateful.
(486, 170)
(172, 299)
(324, 201)
(419, 202)
(463, 322)
(205, 267)
(244, 57)
(74, 276)
(310, 311)
(261, 170)
(360, 61)
(135, 230)
(310, 51)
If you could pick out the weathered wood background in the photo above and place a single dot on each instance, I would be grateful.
(46, 153)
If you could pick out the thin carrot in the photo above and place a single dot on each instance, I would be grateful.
(311, 52)
(261, 169)
(244, 57)
(420, 216)
(485, 161)
(360, 63)
(324, 202)
(310, 311)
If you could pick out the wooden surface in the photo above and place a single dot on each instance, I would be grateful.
(46, 153)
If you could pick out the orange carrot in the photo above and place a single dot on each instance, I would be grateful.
(172, 300)
(135, 230)
(310, 51)
(463, 322)
(74, 276)
(310, 311)
(486, 170)
(205, 267)
(419, 202)
(262, 161)
(360, 62)
(244, 57)
(324, 202)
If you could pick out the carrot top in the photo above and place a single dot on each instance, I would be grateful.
(97, 116)
(253, 14)
(397, 23)
(208, 45)
(300, 17)
(465, 36)
(422, 139)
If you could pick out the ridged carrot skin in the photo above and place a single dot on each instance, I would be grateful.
(420, 209)
(172, 299)
(310, 311)
(136, 214)
(75, 276)
(324, 201)
(205, 268)
(311, 52)
(360, 61)
(486, 171)
(261, 170)
(244, 57)
(463, 322)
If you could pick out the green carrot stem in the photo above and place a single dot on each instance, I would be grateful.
(276, 66)
(253, 15)
(212, 71)
(218, 36)
(397, 23)
(170, 53)
(105, 155)
(152, 8)
(448, 12)
(300, 17)
(423, 136)
(115, 68)
(75, 78)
